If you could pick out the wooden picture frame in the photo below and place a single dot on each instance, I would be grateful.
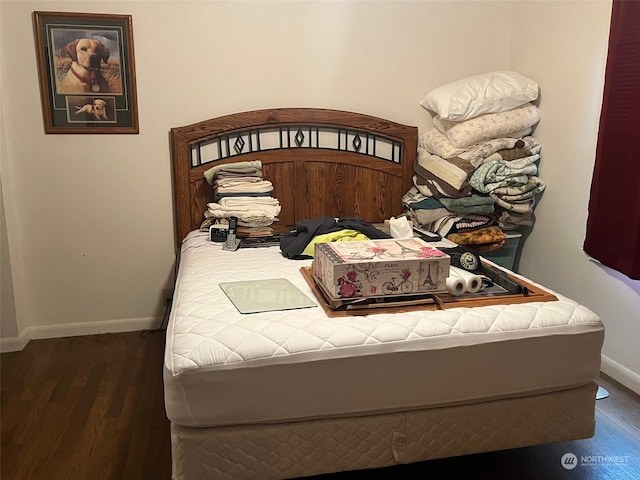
(86, 71)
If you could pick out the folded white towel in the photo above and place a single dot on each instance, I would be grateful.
(248, 201)
(236, 185)
(210, 174)
(220, 211)
(245, 217)
(230, 181)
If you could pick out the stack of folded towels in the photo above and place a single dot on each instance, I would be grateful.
(241, 191)
(477, 166)
(238, 179)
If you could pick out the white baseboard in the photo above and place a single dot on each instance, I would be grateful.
(15, 344)
(620, 373)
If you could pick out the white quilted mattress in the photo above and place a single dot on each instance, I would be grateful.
(225, 368)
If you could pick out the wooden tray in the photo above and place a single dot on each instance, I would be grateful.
(440, 301)
(369, 303)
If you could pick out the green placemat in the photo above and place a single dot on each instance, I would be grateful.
(253, 296)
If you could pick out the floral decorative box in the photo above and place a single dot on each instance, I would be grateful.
(380, 268)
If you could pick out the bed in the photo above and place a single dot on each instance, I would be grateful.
(300, 392)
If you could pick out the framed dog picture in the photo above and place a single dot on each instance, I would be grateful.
(86, 71)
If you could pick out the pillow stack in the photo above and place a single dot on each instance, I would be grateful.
(477, 165)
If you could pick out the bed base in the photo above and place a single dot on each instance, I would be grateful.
(300, 449)
(335, 163)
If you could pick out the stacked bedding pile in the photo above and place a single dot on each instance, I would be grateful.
(477, 166)
(241, 191)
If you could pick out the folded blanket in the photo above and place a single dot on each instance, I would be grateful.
(428, 190)
(246, 222)
(221, 211)
(461, 223)
(219, 196)
(513, 154)
(248, 218)
(449, 177)
(211, 173)
(415, 199)
(223, 182)
(534, 186)
(437, 143)
(444, 178)
(519, 199)
(500, 173)
(253, 221)
(474, 203)
(230, 168)
(522, 206)
(423, 218)
(248, 202)
(239, 173)
(421, 209)
(247, 185)
(478, 153)
(512, 220)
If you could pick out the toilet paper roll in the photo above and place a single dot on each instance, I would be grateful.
(456, 286)
(473, 283)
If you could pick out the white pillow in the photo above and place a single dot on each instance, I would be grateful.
(474, 96)
(488, 126)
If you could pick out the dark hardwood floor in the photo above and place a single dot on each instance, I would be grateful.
(85, 408)
(91, 408)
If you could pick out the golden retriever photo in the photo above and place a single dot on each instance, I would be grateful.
(86, 72)
(83, 109)
(96, 109)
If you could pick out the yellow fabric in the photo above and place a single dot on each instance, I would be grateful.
(339, 236)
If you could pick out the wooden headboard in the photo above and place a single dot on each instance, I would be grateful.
(320, 161)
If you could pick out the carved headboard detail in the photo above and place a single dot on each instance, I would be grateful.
(320, 161)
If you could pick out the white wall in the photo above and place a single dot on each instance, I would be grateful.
(8, 318)
(91, 234)
(89, 218)
(568, 59)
